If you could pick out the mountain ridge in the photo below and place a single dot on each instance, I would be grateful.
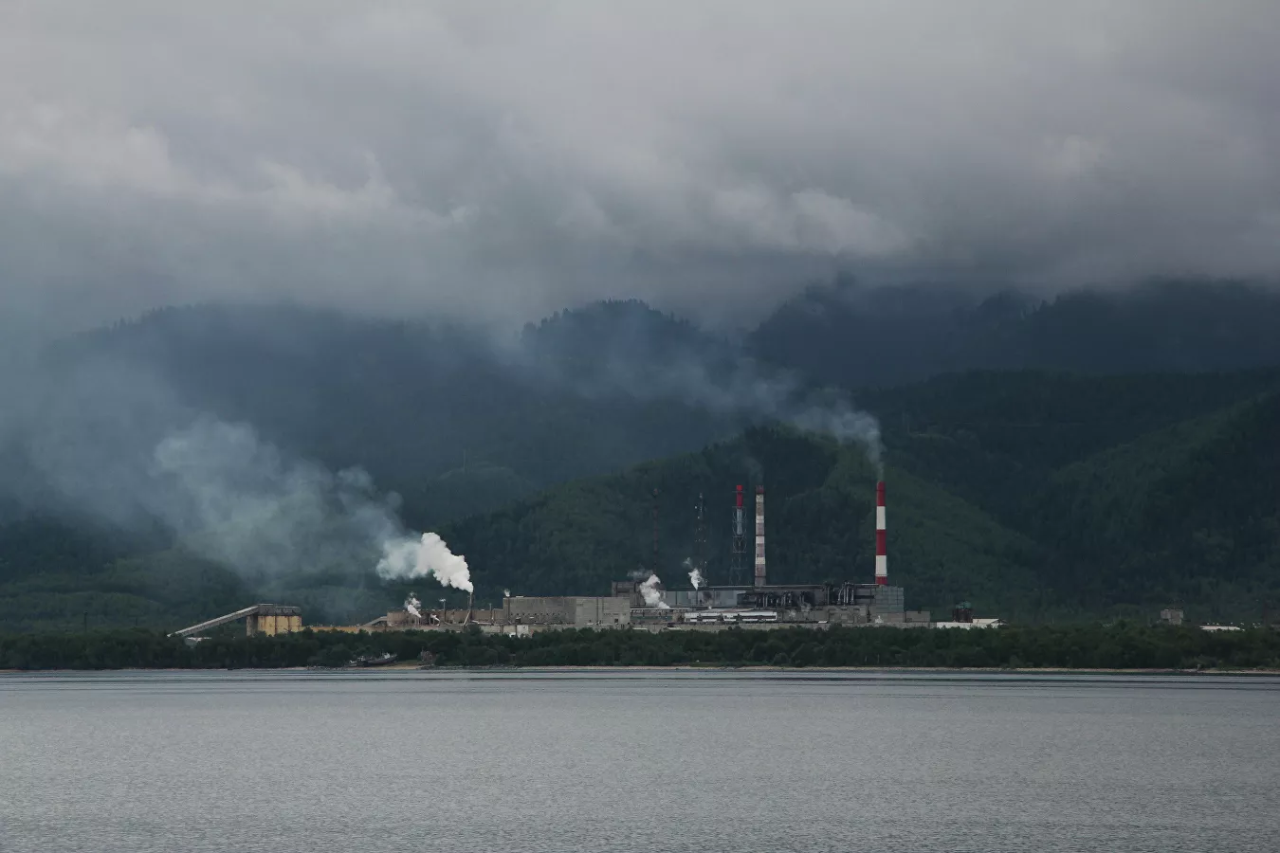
(468, 433)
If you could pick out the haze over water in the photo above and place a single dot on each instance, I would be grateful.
(637, 761)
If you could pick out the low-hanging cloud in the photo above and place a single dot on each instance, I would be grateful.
(501, 162)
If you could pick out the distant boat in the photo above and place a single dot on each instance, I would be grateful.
(373, 660)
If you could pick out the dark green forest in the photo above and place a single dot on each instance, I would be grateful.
(1077, 510)
(1118, 646)
(857, 335)
(1029, 511)
(1078, 493)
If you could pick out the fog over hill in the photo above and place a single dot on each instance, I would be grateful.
(858, 335)
(278, 284)
(284, 444)
(499, 164)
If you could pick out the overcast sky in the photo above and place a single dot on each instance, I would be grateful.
(506, 159)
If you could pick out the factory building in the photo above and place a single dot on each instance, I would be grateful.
(632, 603)
(268, 619)
(576, 611)
(562, 611)
(402, 620)
(848, 603)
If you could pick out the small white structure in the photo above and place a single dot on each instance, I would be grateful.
(976, 623)
(1221, 628)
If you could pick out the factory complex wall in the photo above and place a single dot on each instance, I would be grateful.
(601, 612)
(575, 611)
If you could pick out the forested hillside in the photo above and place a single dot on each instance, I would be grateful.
(857, 335)
(1102, 503)
(1185, 514)
(1034, 494)
(446, 416)
(820, 499)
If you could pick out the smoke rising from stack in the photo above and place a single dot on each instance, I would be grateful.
(732, 385)
(425, 556)
(221, 492)
(846, 423)
(651, 594)
(250, 505)
(117, 443)
(241, 502)
(695, 578)
(413, 606)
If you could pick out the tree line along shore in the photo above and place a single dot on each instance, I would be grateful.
(1120, 646)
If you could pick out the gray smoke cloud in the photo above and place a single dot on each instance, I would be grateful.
(736, 386)
(113, 443)
(113, 440)
(500, 162)
(235, 499)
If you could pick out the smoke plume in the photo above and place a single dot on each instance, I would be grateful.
(427, 556)
(237, 500)
(222, 493)
(840, 419)
(652, 595)
(734, 385)
(695, 576)
(241, 502)
(413, 605)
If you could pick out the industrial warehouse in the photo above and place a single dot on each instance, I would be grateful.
(642, 603)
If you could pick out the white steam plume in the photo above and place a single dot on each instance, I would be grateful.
(426, 556)
(695, 576)
(232, 498)
(412, 605)
(652, 595)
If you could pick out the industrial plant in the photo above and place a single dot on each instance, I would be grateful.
(642, 602)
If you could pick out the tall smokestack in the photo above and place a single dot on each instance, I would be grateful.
(760, 569)
(882, 552)
(738, 550)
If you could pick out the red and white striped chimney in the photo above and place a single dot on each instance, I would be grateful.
(760, 569)
(882, 552)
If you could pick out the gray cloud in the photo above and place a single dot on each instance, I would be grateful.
(503, 161)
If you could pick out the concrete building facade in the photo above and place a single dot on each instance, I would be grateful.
(576, 611)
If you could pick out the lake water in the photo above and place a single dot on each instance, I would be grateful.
(637, 761)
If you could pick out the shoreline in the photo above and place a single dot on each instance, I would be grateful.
(684, 668)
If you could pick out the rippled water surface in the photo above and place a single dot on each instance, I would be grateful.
(637, 761)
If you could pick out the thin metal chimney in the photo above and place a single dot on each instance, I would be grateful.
(882, 552)
(738, 550)
(760, 567)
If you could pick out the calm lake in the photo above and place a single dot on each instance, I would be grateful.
(637, 761)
